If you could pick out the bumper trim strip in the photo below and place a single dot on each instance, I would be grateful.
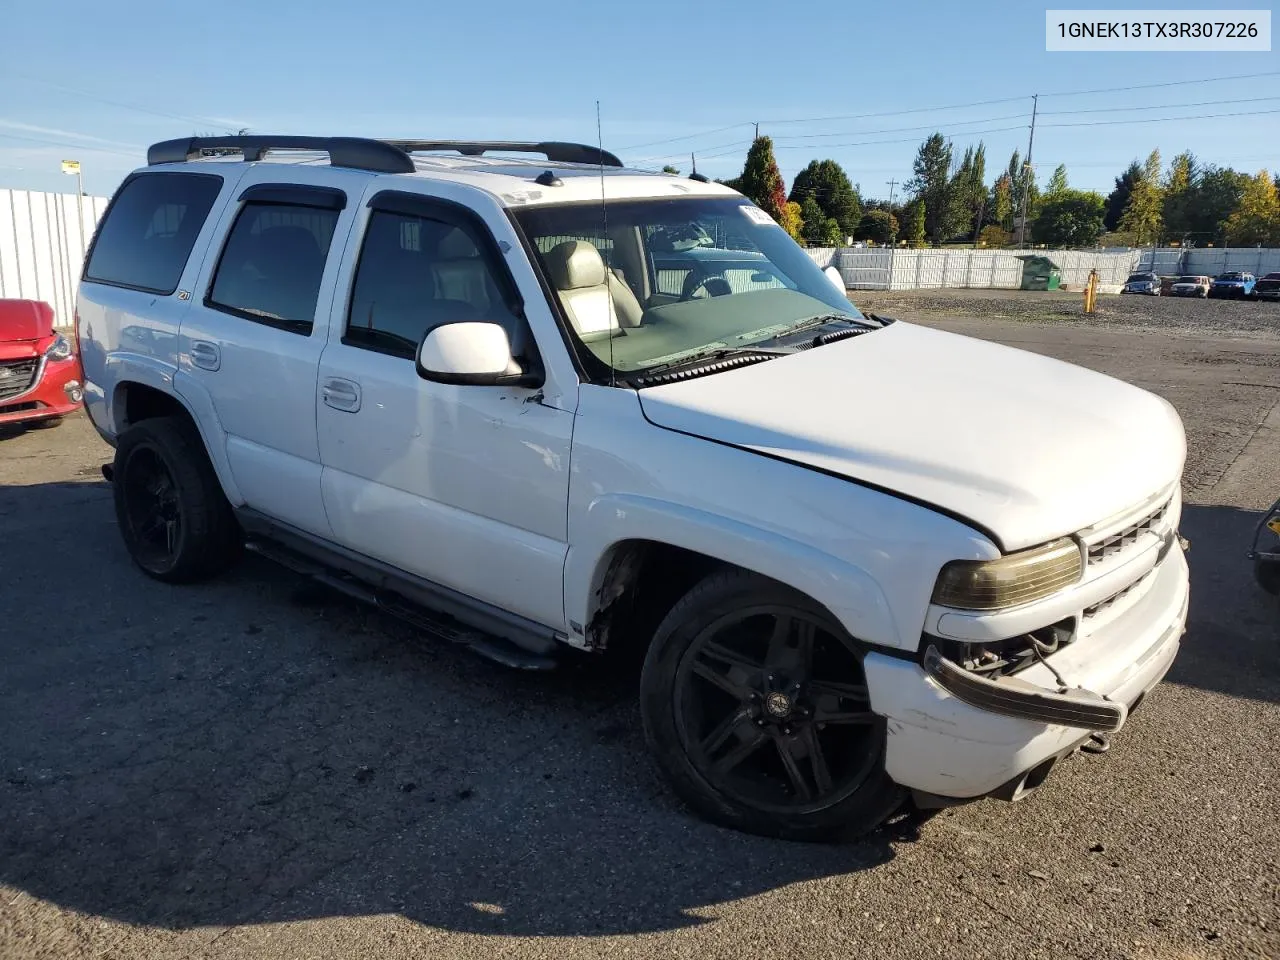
(1013, 697)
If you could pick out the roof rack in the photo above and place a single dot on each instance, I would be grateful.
(554, 150)
(355, 152)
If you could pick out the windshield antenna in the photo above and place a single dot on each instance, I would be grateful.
(604, 235)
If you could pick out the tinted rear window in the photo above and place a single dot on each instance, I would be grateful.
(148, 233)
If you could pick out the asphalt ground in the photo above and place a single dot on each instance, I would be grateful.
(254, 767)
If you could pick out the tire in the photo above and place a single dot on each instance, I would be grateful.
(165, 488)
(1267, 575)
(48, 423)
(763, 793)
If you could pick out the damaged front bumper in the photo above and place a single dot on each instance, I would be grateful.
(952, 736)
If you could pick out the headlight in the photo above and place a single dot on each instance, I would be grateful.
(60, 349)
(1018, 578)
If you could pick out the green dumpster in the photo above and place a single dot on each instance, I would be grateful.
(1040, 273)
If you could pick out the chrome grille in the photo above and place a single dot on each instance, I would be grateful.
(17, 376)
(1116, 542)
(1115, 598)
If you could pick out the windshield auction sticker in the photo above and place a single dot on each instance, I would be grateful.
(1158, 30)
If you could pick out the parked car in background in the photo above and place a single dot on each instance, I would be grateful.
(1147, 283)
(1268, 288)
(1191, 286)
(1233, 285)
(39, 370)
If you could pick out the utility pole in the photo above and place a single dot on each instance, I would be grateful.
(1027, 173)
(757, 129)
(892, 184)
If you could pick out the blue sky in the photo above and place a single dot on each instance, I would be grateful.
(100, 81)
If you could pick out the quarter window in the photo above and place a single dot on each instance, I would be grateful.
(415, 273)
(148, 233)
(272, 264)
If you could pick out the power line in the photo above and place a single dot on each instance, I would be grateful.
(199, 121)
(688, 136)
(895, 113)
(1207, 116)
(72, 146)
(1155, 106)
(1167, 83)
(927, 126)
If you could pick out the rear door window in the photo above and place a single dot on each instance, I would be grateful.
(273, 263)
(148, 232)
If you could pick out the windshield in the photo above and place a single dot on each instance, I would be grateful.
(1141, 278)
(672, 278)
(1188, 279)
(1231, 276)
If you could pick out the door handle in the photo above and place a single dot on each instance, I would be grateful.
(341, 394)
(205, 355)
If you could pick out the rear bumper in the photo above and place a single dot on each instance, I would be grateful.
(55, 393)
(940, 745)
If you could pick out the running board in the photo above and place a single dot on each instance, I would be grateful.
(439, 626)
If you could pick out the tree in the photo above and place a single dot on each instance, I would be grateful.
(913, 222)
(1070, 218)
(1179, 194)
(1214, 199)
(994, 235)
(1119, 197)
(931, 185)
(1142, 215)
(1022, 190)
(878, 226)
(761, 180)
(1002, 202)
(1257, 219)
(791, 221)
(968, 193)
(1058, 182)
(669, 169)
(827, 183)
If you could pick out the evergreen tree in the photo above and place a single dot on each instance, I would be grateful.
(1119, 197)
(1179, 192)
(1214, 199)
(1001, 212)
(1057, 183)
(669, 169)
(1070, 218)
(1257, 219)
(827, 183)
(931, 185)
(968, 194)
(761, 181)
(913, 222)
(1142, 217)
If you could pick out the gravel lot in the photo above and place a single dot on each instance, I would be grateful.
(253, 767)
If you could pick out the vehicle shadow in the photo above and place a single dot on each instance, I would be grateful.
(256, 749)
(1232, 644)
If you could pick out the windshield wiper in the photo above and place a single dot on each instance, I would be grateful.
(705, 359)
(820, 320)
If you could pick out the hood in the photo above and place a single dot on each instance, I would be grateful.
(25, 320)
(1024, 447)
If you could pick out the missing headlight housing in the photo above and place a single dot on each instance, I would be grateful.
(1022, 577)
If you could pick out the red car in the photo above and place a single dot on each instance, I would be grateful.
(40, 378)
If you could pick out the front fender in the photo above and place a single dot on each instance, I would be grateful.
(851, 595)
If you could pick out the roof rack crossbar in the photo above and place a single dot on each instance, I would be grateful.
(355, 152)
(556, 151)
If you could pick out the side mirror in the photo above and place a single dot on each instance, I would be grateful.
(468, 352)
(834, 276)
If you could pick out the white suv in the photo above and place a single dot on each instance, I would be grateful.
(549, 404)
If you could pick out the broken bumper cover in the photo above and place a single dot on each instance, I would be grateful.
(1014, 697)
(940, 742)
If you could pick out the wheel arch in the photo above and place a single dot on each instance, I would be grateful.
(639, 547)
(134, 400)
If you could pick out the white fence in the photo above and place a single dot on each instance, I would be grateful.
(889, 269)
(1209, 261)
(42, 244)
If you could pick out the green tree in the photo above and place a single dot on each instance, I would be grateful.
(1058, 182)
(913, 222)
(827, 183)
(1022, 189)
(1143, 217)
(968, 193)
(1119, 197)
(1179, 194)
(669, 169)
(1213, 200)
(1002, 202)
(1070, 218)
(878, 226)
(931, 185)
(994, 235)
(1257, 219)
(761, 180)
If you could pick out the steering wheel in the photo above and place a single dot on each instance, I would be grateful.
(715, 286)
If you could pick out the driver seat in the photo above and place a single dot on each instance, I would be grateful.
(594, 299)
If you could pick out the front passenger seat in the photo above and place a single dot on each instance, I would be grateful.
(593, 298)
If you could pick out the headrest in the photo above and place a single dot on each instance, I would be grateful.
(457, 245)
(575, 264)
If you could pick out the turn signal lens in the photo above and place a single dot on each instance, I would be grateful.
(1010, 581)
